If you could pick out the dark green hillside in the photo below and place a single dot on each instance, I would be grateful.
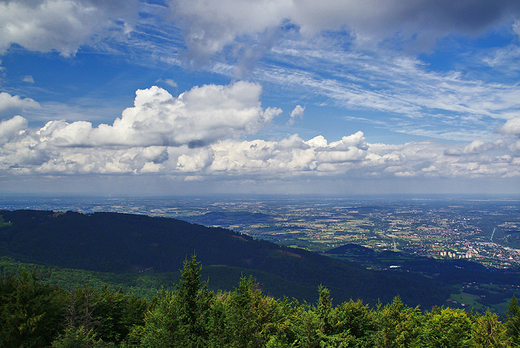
(122, 243)
(146, 285)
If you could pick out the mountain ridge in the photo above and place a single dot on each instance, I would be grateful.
(129, 243)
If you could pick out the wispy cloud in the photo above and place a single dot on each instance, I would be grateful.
(401, 86)
(28, 79)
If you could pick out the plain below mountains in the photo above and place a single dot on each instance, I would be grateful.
(125, 243)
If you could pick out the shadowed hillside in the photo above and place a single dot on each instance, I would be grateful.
(123, 243)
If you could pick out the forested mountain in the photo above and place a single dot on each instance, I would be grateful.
(124, 243)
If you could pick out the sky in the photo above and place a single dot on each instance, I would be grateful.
(197, 97)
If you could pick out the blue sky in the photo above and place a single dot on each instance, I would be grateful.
(230, 96)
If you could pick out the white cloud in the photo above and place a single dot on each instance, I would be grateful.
(170, 82)
(195, 163)
(28, 79)
(355, 158)
(355, 140)
(296, 113)
(198, 134)
(512, 126)
(476, 147)
(8, 102)
(516, 27)
(11, 128)
(26, 151)
(443, 105)
(196, 118)
(211, 25)
(61, 25)
(515, 147)
(142, 139)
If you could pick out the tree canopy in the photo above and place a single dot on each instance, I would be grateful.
(34, 314)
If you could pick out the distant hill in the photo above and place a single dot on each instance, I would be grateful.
(124, 243)
(229, 218)
(350, 249)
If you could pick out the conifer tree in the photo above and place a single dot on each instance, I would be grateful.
(180, 319)
(31, 313)
(487, 332)
(513, 322)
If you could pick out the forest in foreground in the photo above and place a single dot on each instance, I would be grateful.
(37, 314)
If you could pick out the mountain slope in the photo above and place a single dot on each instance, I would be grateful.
(119, 243)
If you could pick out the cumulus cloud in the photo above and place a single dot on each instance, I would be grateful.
(61, 25)
(26, 151)
(197, 134)
(143, 137)
(476, 147)
(512, 126)
(196, 118)
(211, 25)
(8, 102)
(11, 128)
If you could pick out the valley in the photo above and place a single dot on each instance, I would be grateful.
(469, 244)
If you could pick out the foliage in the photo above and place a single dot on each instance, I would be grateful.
(31, 313)
(80, 338)
(488, 331)
(180, 318)
(446, 327)
(35, 314)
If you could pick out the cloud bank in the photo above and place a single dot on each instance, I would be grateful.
(198, 135)
(211, 25)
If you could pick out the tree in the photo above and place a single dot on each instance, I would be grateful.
(80, 338)
(446, 327)
(397, 325)
(108, 314)
(513, 322)
(335, 334)
(488, 332)
(31, 313)
(305, 327)
(180, 318)
(355, 319)
(252, 320)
